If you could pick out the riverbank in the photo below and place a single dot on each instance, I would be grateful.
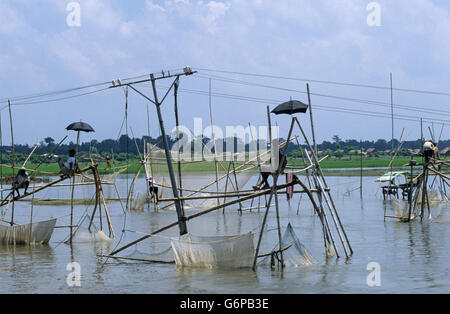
(372, 166)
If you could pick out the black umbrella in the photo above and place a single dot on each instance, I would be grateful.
(290, 107)
(80, 127)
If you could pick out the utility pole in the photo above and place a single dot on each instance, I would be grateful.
(187, 71)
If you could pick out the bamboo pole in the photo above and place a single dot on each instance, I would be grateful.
(177, 125)
(206, 211)
(31, 220)
(328, 199)
(228, 195)
(29, 155)
(180, 213)
(268, 203)
(214, 141)
(238, 168)
(43, 187)
(51, 153)
(237, 185)
(12, 156)
(1, 155)
(281, 162)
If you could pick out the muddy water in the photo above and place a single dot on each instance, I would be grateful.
(413, 257)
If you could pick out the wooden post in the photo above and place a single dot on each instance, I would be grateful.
(180, 212)
(177, 123)
(12, 156)
(328, 198)
(237, 185)
(214, 141)
(272, 192)
(311, 118)
(361, 167)
(1, 156)
(73, 190)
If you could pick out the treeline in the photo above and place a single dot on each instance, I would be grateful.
(118, 149)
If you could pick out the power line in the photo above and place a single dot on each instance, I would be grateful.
(68, 90)
(329, 82)
(372, 102)
(320, 107)
(56, 99)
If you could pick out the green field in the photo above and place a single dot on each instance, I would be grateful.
(329, 165)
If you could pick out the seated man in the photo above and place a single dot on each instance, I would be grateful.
(21, 181)
(264, 184)
(428, 150)
(69, 167)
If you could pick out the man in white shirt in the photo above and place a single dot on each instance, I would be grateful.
(69, 167)
(152, 188)
(428, 150)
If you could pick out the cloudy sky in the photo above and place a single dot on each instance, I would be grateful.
(310, 41)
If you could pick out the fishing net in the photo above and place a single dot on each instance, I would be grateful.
(89, 232)
(294, 254)
(214, 251)
(443, 210)
(139, 201)
(401, 209)
(235, 184)
(164, 256)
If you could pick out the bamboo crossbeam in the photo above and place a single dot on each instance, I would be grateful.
(439, 173)
(137, 259)
(226, 195)
(44, 186)
(200, 214)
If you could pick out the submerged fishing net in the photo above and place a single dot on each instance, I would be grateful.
(139, 201)
(294, 254)
(443, 210)
(164, 256)
(401, 209)
(214, 251)
(84, 233)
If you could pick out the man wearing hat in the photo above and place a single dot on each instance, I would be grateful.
(21, 181)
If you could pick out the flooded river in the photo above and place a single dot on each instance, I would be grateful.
(412, 257)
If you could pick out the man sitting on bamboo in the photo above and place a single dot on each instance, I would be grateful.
(21, 181)
(265, 173)
(70, 166)
(428, 151)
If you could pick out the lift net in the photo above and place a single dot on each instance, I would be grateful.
(294, 254)
(84, 233)
(443, 210)
(214, 251)
(401, 209)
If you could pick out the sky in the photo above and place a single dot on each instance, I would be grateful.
(309, 40)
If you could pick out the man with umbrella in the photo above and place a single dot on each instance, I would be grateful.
(70, 166)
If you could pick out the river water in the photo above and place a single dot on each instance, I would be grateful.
(412, 257)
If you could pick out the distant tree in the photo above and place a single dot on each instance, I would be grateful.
(49, 140)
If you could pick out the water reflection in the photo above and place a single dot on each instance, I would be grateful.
(413, 256)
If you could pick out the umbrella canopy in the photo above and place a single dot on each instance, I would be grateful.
(80, 126)
(290, 107)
